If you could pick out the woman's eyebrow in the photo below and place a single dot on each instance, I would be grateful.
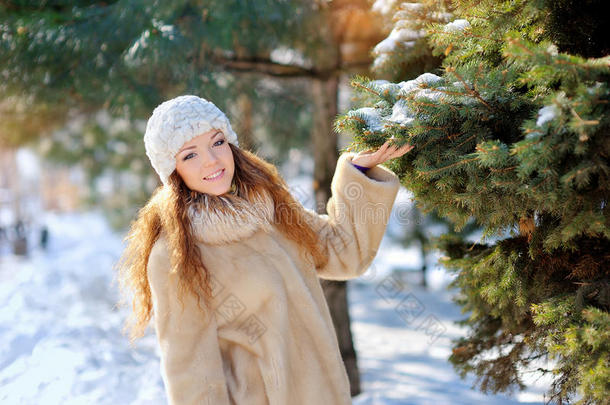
(217, 132)
(187, 148)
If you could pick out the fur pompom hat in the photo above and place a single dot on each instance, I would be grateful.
(175, 122)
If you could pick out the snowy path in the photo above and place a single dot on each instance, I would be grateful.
(60, 340)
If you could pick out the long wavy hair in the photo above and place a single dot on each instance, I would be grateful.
(171, 218)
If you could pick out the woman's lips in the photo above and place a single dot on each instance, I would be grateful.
(222, 173)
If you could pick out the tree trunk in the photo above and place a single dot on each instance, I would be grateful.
(244, 123)
(325, 156)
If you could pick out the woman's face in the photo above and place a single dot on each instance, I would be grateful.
(206, 164)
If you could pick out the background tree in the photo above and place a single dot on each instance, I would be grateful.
(514, 135)
(81, 78)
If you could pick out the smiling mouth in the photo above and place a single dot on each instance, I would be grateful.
(215, 176)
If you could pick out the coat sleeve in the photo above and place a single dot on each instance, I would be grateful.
(357, 216)
(191, 363)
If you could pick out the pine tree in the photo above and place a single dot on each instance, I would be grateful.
(513, 133)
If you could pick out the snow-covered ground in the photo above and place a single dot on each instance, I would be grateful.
(61, 341)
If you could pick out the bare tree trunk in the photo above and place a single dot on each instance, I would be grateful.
(325, 156)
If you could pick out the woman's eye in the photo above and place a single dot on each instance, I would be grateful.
(221, 142)
(187, 156)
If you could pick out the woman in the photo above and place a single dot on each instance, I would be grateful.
(228, 262)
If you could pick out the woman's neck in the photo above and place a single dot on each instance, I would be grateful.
(228, 217)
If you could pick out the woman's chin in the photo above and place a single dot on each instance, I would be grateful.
(216, 191)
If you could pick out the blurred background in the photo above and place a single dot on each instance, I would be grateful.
(80, 78)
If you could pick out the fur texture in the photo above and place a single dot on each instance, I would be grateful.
(223, 219)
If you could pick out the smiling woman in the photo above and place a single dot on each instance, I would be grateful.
(206, 163)
(228, 261)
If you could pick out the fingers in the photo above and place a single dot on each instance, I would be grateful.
(391, 149)
(384, 148)
(387, 151)
(396, 151)
(401, 151)
(377, 151)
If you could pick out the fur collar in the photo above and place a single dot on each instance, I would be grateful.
(228, 218)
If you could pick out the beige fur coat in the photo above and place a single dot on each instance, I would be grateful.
(270, 338)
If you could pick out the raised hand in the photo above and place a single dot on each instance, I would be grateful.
(371, 157)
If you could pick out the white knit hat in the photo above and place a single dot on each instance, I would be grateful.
(175, 122)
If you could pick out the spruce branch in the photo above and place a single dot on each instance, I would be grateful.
(450, 93)
(450, 136)
(461, 162)
(423, 103)
(581, 121)
(471, 90)
(505, 169)
(356, 84)
(467, 139)
(525, 146)
(466, 34)
(535, 188)
(519, 44)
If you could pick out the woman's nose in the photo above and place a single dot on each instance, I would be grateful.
(210, 158)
